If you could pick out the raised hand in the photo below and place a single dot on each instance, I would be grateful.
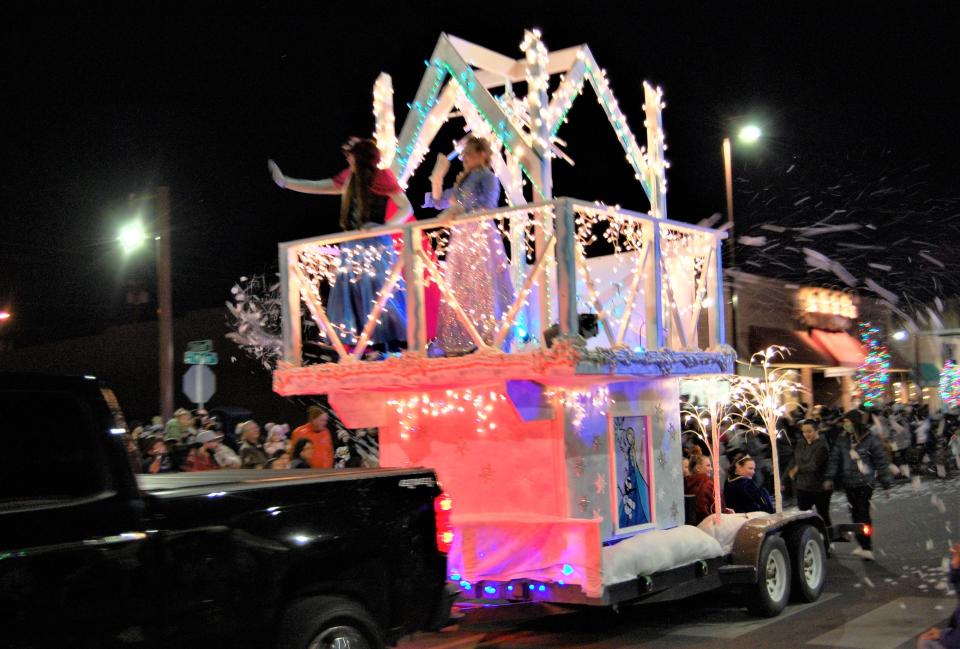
(441, 166)
(276, 174)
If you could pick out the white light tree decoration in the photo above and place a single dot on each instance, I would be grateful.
(709, 422)
(764, 398)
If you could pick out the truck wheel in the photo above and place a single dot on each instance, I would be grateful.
(809, 563)
(326, 622)
(770, 594)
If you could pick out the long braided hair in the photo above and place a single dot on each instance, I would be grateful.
(366, 157)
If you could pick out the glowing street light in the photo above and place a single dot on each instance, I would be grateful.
(4, 316)
(900, 335)
(750, 133)
(132, 236)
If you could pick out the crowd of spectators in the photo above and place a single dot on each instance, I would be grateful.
(197, 441)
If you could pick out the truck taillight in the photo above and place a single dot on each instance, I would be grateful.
(443, 509)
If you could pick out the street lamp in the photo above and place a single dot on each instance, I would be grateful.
(749, 134)
(4, 316)
(131, 237)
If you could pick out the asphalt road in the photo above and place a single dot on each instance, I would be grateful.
(870, 605)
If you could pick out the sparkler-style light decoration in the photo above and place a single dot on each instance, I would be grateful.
(709, 423)
(754, 398)
(950, 384)
(385, 132)
(410, 410)
(872, 377)
(580, 403)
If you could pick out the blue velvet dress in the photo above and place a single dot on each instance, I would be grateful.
(364, 266)
(476, 267)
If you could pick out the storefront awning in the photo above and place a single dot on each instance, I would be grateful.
(841, 346)
(804, 352)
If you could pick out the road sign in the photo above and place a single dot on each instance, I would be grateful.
(200, 346)
(200, 358)
(199, 384)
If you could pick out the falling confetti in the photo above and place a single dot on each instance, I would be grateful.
(860, 207)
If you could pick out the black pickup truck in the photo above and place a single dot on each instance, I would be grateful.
(92, 555)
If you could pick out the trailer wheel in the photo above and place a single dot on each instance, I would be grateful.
(770, 594)
(809, 563)
(326, 622)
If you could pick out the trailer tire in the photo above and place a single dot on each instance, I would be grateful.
(323, 621)
(809, 563)
(769, 595)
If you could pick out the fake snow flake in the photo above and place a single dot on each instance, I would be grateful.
(486, 473)
(869, 583)
(600, 484)
(584, 503)
(578, 467)
(929, 544)
(661, 459)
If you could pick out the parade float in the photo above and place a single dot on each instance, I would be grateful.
(559, 445)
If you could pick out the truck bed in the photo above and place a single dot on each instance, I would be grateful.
(240, 479)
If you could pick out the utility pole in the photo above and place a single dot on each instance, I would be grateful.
(164, 302)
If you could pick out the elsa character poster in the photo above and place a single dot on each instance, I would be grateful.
(632, 470)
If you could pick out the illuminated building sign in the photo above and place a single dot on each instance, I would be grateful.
(822, 308)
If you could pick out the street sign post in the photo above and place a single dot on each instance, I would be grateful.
(199, 384)
(200, 346)
(200, 358)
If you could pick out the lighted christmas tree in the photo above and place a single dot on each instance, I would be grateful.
(872, 376)
(950, 384)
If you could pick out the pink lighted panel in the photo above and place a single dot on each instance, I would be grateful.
(516, 468)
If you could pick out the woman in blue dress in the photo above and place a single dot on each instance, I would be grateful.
(369, 197)
(477, 270)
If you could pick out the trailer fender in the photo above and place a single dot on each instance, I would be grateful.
(749, 540)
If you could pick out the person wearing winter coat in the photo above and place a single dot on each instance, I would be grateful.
(948, 638)
(858, 459)
(741, 493)
(699, 484)
(809, 470)
(252, 453)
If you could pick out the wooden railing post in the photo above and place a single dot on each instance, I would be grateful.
(413, 274)
(291, 316)
(716, 325)
(566, 274)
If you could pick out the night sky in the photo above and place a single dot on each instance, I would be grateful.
(97, 107)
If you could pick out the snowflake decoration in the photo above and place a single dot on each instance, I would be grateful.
(584, 504)
(597, 513)
(461, 445)
(672, 431)
(597, 442)
(659, 415)
(674, 510)
(600, 484)
(486, 473)
(661, 458)
(579, 467)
